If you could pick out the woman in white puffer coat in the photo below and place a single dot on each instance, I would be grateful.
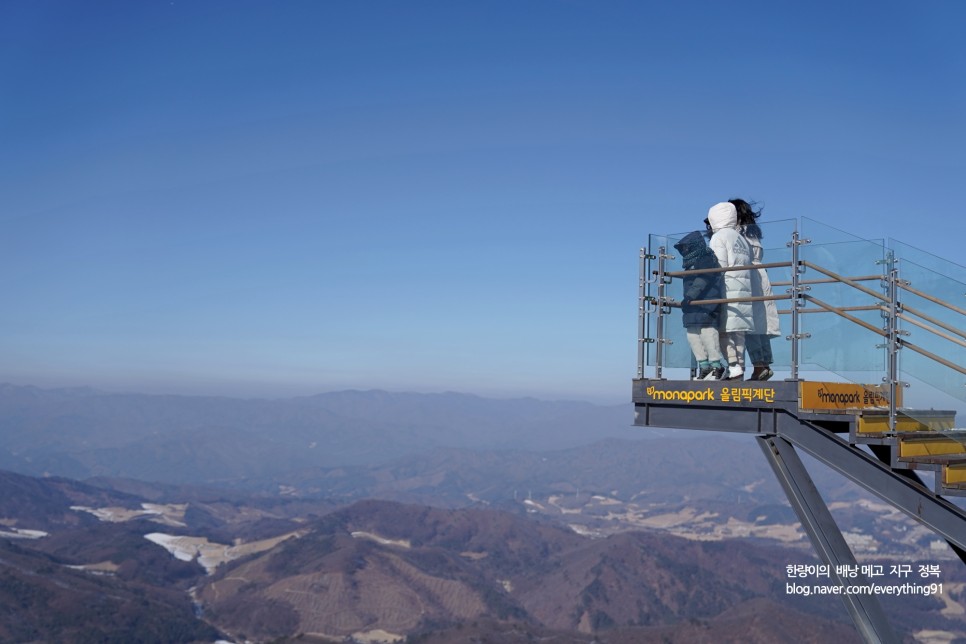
(732, 249)
(767, 324)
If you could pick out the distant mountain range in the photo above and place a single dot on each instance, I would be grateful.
(82, 433)
(591, 471)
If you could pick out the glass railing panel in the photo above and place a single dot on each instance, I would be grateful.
(677, 352)
(928, 261)
(674, 352)
(933, 389)
(932, 322)
(935, 410)
(842, 319)
(820, 233)
(931, 384)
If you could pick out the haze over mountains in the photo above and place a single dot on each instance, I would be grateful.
(186, 439)
(436, 518)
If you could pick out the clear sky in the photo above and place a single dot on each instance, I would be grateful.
(279, 198)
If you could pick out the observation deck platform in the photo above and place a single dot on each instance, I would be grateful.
(855, 311)
(853, 414)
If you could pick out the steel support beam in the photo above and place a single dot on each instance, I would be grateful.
(916, 500)
(884, 454)
(866, 611)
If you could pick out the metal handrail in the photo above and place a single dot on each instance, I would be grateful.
(921, 325)
(933, 356)
(753, 298)
(860, 278)
(718, 269)
(842, 313)
(845, 280)
(935, 300)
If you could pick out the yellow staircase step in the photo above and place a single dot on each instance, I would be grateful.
(926, 420)
(914, 446)
(954, 475)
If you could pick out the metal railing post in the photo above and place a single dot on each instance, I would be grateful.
(796, 292)
(894, 341)
(659, 324)
(641, 312)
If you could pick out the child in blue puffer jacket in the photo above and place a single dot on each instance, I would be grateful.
(701, 320)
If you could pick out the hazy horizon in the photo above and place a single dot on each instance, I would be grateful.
(227, 391)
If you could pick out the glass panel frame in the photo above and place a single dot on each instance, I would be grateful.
(930, 325)
(834, 342)
(844, 324)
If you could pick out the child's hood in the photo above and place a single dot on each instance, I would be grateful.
(693, 241)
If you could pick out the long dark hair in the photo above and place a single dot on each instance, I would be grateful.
(748, 217)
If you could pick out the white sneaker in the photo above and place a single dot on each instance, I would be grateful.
(734, 372)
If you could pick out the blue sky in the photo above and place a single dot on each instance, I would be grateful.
(281, 198)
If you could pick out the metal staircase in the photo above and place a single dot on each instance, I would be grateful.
(922, 440)
(881, 325)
